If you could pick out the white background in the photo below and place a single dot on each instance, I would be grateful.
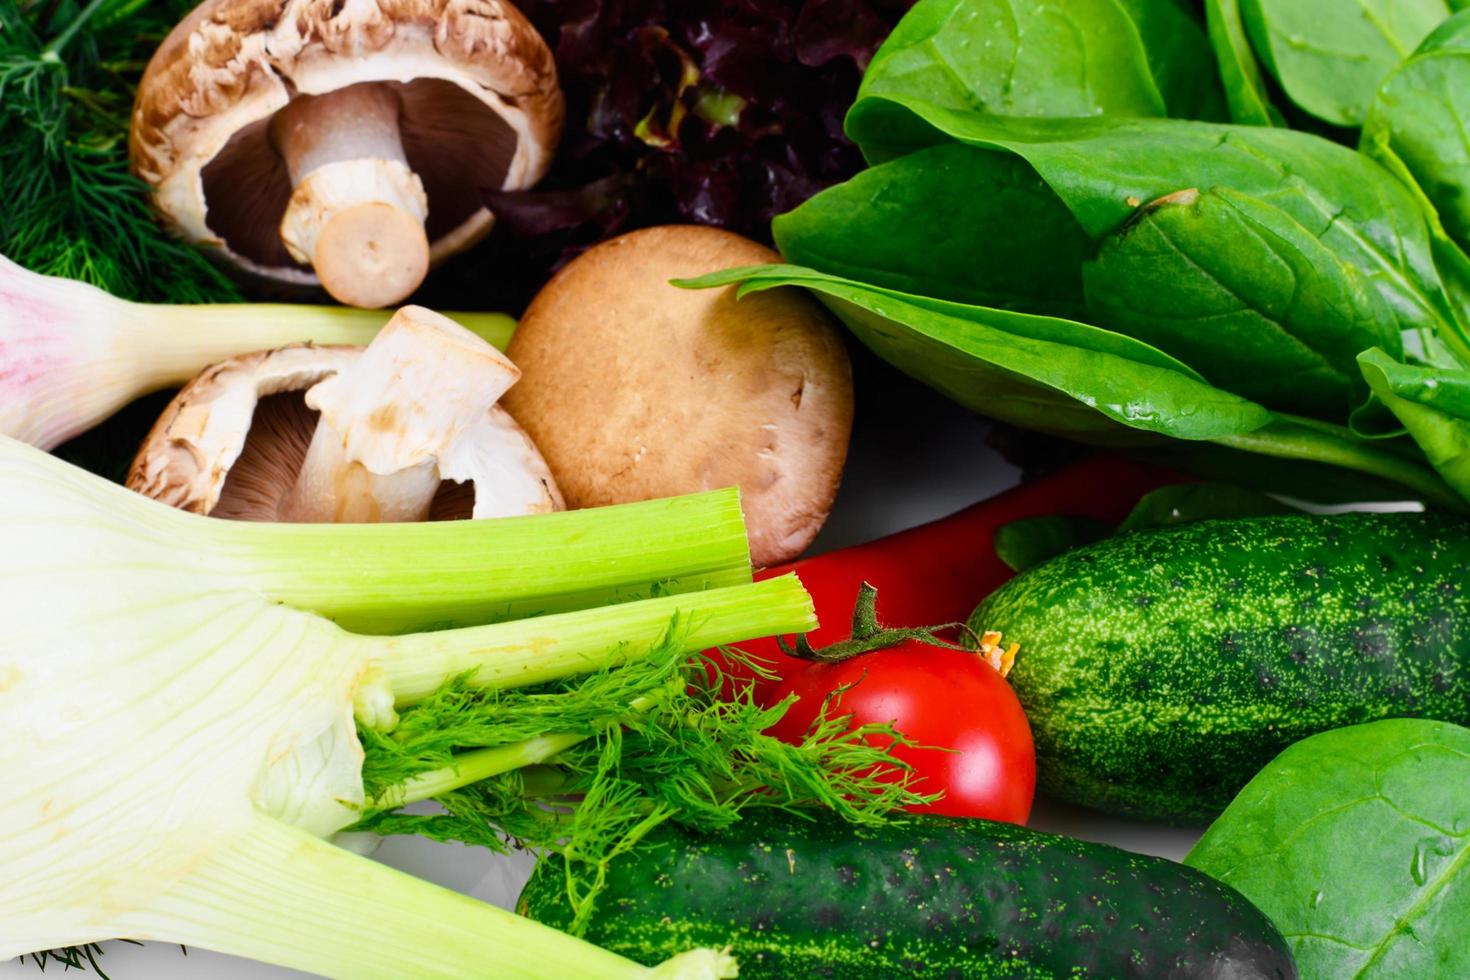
(915, 457)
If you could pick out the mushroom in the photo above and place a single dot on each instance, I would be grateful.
(633, 388)
(343, 143)
(406, 429)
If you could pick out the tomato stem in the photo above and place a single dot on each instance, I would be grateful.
(869, 635)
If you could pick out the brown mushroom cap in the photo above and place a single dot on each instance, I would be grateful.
(233, 440)
(633, 388)
(480, 108)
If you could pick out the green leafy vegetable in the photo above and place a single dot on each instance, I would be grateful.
(1433, 404)
(1037, 57)
(72, 208)
(1249, 261)
(1030, 541)
(1178, 46)
(1421, 112)
(1184, 503)
(1049, 58)
(1072, 380)
(1318, 481)
(1240, 73)
(1264, 305)
(1355, 843)
(182, 698)
(1060, 377)
(871, 229)
(1329, 55)
(1266, 258)
(1105, 170)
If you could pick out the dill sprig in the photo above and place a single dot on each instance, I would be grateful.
(72, 208)
(651, 741)
(71, 958)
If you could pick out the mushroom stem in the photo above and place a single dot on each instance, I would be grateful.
(357, 211)
(333, 488)
(388, 421)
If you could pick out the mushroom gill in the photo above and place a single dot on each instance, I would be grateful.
(452, 141)
(275, 448)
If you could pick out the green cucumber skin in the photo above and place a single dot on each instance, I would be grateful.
(932, 897)
(1161, 670)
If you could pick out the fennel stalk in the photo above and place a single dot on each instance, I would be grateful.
(182, 720)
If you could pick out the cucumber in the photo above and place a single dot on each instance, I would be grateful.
(1162, 669)
(932, 897)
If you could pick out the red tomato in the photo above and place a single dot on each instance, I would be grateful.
(940, 699)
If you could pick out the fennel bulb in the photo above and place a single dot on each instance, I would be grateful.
(71, 354)
(180, 708)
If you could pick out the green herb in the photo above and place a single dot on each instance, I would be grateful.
(635, 747)
(72, 208)
(1355, 843)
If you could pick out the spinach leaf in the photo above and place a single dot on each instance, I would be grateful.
(1028, 542)
(1433, 404)
(1019, 58)
(1450, 347)
(1049, 329)
(950, 221)
(1240, 73)
(1356, 844)
(1299, 477)
(1297, 254)
(1059, 377)
(1422, 112)
(1330, 55)
(1184, 503)
(1074, 380)
(1049, 58)
(1104, 168)
(1254, 296)
(1179, 56)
